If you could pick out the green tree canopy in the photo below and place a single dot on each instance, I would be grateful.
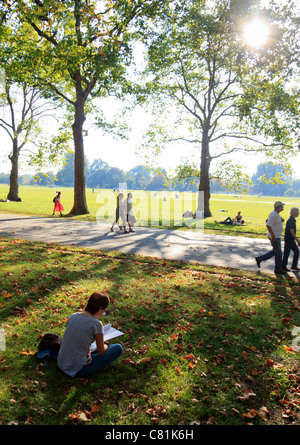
(82, 49)
(24, 109)
(224, 97)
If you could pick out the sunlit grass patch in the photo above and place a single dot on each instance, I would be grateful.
(201, 344)
(162, 209)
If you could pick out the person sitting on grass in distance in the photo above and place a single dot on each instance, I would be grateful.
(75, 357)
(237, 221)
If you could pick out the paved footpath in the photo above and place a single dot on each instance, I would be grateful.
(195, 246)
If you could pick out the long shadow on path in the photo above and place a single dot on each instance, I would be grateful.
(195, 246)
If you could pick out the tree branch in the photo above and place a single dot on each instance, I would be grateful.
(3, 125)
(241, 136)
(50, 39)
(190, 94)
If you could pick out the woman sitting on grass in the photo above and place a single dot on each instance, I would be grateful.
(75, 357)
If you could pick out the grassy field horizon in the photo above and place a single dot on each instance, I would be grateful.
(166, 208)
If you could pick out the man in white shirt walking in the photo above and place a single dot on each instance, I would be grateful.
(275, 227)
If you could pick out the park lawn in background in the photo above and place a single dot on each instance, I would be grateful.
(37, 200)
(202, 345)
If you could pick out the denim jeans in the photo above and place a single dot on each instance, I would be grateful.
(100, 361)
(277, 252)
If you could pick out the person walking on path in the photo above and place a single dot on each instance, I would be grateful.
(129, 214)
(58, 207)
(117, 215)
(123, 211)
(120, 213)
(275, 228)
(290, 240)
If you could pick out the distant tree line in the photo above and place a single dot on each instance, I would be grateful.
(100, 175)
(281, 184)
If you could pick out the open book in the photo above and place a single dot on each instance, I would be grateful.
(109, 333)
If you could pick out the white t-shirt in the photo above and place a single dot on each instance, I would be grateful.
(274, 221)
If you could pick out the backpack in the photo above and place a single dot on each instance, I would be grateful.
(50, 341)
(54, 198)
(48, 347)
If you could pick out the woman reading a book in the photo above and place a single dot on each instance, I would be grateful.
(75, 356)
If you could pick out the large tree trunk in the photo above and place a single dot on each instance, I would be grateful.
(13, 193)
(204, 185)
(80, 204)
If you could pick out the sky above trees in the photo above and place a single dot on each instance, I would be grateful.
(122, 153)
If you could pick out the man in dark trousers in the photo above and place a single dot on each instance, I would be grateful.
(290, 240)
(275, 227)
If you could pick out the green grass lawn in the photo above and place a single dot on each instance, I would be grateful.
(202, 345)
(38, 201)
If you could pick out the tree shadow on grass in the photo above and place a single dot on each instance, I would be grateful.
(207, 335)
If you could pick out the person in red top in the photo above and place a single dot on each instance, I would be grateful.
(58, 207)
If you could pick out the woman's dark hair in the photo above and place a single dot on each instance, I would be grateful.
(97, 301)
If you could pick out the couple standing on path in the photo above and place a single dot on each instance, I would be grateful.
(124, 211)
(275, 228)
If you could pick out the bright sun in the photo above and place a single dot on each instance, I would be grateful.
(256, 33)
